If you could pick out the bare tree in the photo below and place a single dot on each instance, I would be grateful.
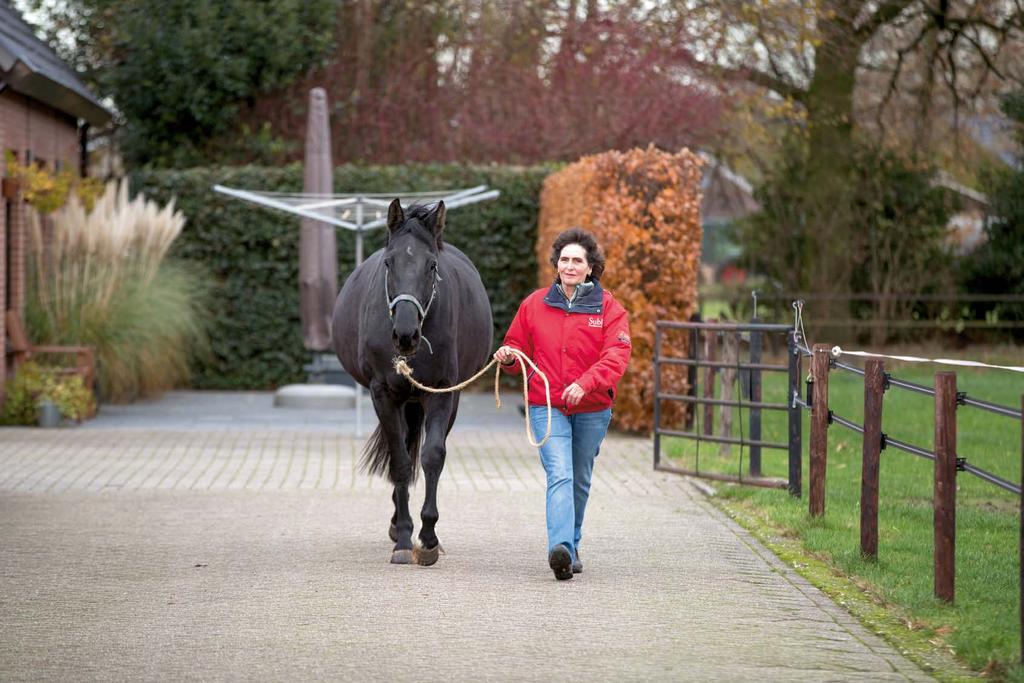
(850, 64)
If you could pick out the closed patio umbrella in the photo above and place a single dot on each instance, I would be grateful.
(318, 255)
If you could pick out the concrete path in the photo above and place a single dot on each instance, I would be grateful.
(211, 536)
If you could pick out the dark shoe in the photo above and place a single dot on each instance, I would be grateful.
(577, 564)
(560, 562)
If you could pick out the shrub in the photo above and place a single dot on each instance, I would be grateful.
(33, 383)
(252, 253)
(644, 208)
(101, 278)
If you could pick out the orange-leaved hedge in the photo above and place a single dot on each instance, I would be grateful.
(644, 208)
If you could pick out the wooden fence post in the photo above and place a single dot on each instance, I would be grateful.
(711, 354)
(945, 485)
(874, 388)
(819, 430)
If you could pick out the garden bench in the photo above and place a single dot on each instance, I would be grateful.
(21, 350)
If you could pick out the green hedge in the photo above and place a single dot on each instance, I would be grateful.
(252, 253)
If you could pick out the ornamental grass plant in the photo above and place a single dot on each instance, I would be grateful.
(102, 278)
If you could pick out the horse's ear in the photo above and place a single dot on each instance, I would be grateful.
(436, 221)
(395, 216)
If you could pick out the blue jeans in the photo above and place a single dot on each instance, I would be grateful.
(568, 459)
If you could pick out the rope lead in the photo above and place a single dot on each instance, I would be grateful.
(403, 369)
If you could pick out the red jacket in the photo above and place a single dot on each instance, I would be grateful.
(587, 344)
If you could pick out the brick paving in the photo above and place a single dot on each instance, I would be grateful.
(208, 536)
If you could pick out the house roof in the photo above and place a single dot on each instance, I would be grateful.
(30, 67)
(944, 180)
(727, 195)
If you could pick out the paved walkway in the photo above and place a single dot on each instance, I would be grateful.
(211, 536)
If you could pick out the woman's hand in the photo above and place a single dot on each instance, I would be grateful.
(573, 394)
(505, 355)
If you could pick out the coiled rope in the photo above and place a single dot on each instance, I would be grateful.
(403, 369)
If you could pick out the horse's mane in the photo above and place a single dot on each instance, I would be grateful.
(420, 212)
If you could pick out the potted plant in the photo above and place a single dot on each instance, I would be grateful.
(48, 414)
(40, 395)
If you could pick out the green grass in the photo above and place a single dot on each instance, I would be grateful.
(982, 627)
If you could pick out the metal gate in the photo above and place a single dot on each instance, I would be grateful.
(748, 397)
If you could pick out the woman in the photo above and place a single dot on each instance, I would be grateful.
(578, 336)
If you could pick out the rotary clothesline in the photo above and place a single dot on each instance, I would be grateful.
(355, 211)
(358, 212)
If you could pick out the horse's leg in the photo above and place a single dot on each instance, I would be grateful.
(440, 410)
(393, 529)
(414, 428)
(392, 426)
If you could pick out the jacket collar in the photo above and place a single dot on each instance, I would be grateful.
(590, 303)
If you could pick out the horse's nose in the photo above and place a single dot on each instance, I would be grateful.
(406, 342)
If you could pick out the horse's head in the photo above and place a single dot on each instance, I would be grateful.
(411, 275)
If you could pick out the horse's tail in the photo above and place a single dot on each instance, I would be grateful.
(376, 456)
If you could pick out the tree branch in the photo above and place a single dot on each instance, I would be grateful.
(901, 54)
(776, 71)
(758, 78)
(885, 13)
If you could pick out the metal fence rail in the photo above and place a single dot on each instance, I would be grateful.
(998, 313)
(753, 367)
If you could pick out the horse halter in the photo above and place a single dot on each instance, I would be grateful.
(411, 298)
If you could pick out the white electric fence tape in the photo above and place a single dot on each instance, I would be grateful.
(837, 352)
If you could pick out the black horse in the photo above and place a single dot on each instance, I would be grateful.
(423, 300)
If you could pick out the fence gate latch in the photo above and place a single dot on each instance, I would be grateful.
(885, 382)
(831, 415)
(961, 464)
(961, 398)
(883, 441)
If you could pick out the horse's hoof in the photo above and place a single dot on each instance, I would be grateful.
(393, 533)
(404, 556)
(426, 556)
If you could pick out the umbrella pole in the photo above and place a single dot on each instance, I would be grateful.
(359, 259)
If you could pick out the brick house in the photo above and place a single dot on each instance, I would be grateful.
(45, 114)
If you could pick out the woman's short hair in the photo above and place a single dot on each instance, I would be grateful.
(595, 255)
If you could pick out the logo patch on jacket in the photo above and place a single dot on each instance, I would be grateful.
(624, 338)
(595, 322)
